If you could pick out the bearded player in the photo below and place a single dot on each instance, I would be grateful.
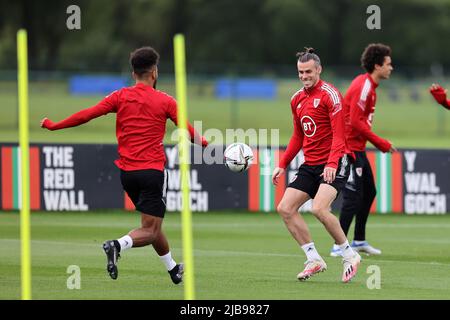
(318, 130)
(141, 116)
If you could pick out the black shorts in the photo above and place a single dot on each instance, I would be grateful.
(308, 178)
(147, 190)
(361, 178)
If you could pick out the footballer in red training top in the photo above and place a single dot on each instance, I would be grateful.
(142, 112)
(318, 126)
(319, 130)
(359, 104)
(359, 107)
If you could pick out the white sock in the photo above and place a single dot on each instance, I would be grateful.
(336, 247)
(347, 251)
(168, 261)
(311, 252)
(125, 242)
(359, 241)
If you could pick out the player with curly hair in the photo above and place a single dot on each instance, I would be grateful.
(359, 106)
(141, 116)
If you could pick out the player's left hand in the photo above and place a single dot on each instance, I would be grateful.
(329, 174)
(47, 124)
(439, 94)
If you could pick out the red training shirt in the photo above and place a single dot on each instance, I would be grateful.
(142, 113)
(318, 126)
(359, 107)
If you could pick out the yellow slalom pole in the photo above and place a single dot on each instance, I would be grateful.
(183, 147)
(22, 63)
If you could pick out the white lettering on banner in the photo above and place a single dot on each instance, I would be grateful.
(58, 156)
(58, 200)
(172, 157)
(422, 192)
(421, 182)
(59, 181)
(425, 203)
(198, 201)
(410, 157)
(174, 180)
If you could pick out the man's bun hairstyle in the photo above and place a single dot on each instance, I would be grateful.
(308, 54)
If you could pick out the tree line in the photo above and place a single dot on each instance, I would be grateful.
(222, 33)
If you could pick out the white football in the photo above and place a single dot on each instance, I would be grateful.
(238, 157)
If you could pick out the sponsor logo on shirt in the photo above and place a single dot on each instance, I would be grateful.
(308, 125)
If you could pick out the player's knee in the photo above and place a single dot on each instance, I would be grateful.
(285, 211)
(319, 211)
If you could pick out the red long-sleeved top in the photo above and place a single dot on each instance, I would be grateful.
(141, 118)
(359, 107)
(447, 105)
(318, 126)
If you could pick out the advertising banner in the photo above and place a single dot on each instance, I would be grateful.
(82, 177)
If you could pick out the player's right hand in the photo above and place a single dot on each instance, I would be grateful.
(276, 174)
(204, 142)
(392, 149)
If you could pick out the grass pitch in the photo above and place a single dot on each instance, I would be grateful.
(236, 255)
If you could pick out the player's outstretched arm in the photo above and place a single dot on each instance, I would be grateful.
(196, 137)
(72, 121)
(172, 114)
(104, 107)
(440, 95)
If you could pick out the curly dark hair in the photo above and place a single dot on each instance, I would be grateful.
(307, 55)
(143, 59)
(374, 54)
